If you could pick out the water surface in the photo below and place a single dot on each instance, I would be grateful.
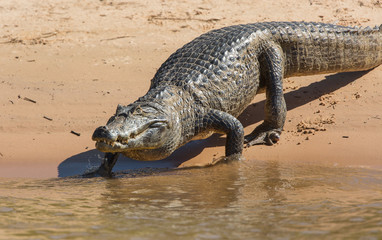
(246, 200)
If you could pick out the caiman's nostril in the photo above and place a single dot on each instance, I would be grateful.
(102, 133)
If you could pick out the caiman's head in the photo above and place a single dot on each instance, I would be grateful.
(142, 131)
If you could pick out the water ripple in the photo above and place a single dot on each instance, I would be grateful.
(251, 199)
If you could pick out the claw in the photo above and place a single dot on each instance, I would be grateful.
(274, 137)
(100, 172)
(105, 170)
(262, 136)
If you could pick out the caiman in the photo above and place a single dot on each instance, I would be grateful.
(204, 86)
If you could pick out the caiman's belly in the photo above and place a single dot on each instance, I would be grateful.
(203, 135)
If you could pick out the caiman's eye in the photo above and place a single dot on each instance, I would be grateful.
(123, 115)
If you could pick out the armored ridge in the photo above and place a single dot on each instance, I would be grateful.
(309, 48)
(207, 83)
(215, 60)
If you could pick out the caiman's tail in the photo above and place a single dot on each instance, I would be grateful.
(374, 36)
(362, 48)
(331, 48)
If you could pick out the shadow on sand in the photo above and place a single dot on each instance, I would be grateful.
(254, 113)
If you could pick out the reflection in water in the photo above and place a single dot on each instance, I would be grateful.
(250, 199)
(208, 189)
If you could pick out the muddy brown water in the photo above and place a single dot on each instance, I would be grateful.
(245, 200)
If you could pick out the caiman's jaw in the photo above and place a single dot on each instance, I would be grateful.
(142, 131)
(109, 145)
(142, 135)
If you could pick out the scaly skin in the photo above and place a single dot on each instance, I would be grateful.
(207, 83)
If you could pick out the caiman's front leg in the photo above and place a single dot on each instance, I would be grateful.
(222, 122)
(105, 170)
(108, 162)
(275, 108)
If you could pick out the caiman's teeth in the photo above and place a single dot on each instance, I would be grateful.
(122, 140)
(111, 143)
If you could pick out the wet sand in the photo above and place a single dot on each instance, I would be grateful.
(66, 65)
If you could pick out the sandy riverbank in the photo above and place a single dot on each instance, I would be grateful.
(65, 65)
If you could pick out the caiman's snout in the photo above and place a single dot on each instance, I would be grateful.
(140, 132)
(105, 139)
(102, 133)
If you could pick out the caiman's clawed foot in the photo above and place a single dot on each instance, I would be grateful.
(100, 172)
(262, 135)
(105, 170)
(227, 159)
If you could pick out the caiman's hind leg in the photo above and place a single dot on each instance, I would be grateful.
(275, 108)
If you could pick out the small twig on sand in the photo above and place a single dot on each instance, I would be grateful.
(28, 99)
(43, 35)
(75, 133)
(12, 40)
(183, 19)
(48, 118)
(115, 38)
(48, 34)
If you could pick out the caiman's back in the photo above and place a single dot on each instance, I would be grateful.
(224, 68)
(310, 48)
